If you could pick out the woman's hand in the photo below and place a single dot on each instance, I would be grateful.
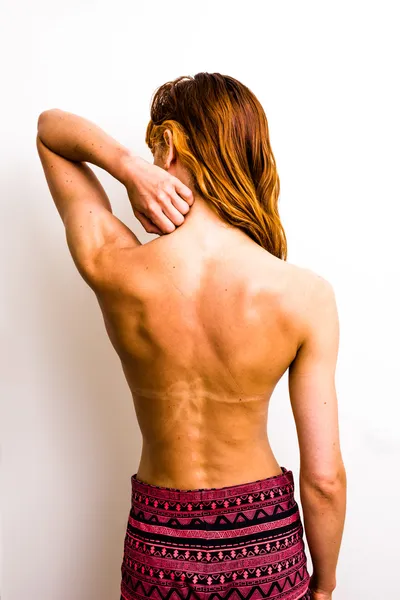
(320, 595)
(159, 200)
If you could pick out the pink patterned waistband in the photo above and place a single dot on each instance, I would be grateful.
(285, 479)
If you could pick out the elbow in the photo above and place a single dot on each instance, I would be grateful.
(44, 118)
(328, 485)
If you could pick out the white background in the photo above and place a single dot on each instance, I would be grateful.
(327, 76)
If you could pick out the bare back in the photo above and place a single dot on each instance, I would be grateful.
(205, 323)
(203, 339)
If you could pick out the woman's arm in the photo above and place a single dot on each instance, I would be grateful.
(80, 140)
(159, 200)
(314, 403)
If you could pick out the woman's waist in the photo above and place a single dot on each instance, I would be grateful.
(275, 492)
(188, 468)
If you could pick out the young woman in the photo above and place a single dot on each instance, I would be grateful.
(206, 319)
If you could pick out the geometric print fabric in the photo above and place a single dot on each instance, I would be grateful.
(239, 542)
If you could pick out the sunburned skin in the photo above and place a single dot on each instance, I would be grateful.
(204, 334)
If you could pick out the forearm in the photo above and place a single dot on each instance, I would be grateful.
(78, 139)
(324, 509)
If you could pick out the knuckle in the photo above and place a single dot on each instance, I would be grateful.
(161, 196)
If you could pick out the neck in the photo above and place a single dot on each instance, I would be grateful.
(204, 224)
(201, 211)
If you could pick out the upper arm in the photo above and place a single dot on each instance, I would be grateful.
(312, 386)
(90, 226)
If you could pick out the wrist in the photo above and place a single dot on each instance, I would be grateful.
(321, 587)
(128, 163)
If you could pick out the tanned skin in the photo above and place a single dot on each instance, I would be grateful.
(205, 323)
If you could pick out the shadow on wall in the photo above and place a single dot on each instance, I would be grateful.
(73, 439)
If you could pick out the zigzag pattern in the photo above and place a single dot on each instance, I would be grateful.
(225, 521)
(138, 590)
(241, 542)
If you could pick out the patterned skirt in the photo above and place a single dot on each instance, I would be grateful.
(237, 542)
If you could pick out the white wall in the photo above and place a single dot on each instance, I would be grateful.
(327, 76)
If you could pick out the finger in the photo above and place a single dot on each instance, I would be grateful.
(147, 224)
(172, 213)
(183, 191)
(179, 203)
(160, 219)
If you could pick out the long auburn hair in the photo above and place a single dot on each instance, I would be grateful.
(220, 133)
